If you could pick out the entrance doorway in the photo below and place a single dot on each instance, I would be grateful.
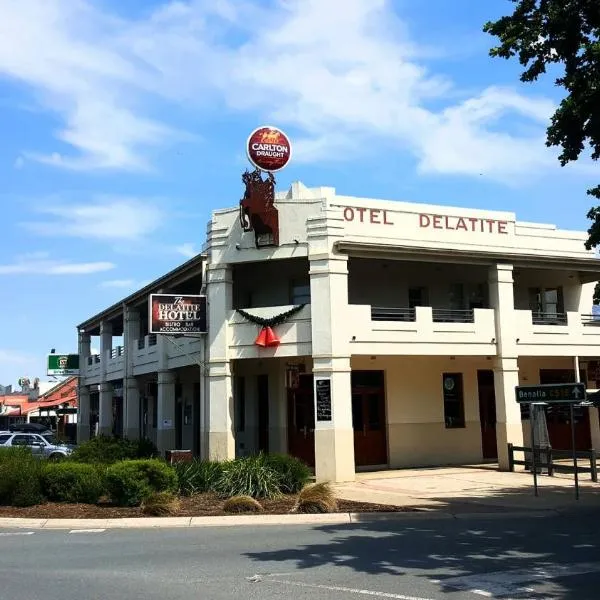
(487, 414)
(558, 416)
(368, 418)
(301, 420)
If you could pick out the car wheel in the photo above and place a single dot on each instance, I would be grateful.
(56, 457)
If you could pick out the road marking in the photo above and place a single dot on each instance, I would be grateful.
(7, 533)
(87, 530)
(335, 588)
(507, 583)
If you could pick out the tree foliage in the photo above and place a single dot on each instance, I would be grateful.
(543, 33)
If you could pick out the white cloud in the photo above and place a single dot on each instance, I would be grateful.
(40, 264)
(342, 79)
(105, 219)
(187, 250)
(118, 283)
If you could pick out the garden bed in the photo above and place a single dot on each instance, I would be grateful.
(200, 505)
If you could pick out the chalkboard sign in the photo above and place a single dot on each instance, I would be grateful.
(323, 397)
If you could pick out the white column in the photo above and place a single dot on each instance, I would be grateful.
(105, 345)
(105, 418)
(131, 420)
(277, 409)
(83, 414)
(131, 393)
(334, 439)
(84, 350)
(509, 428)
(165, 422)
(221, 441)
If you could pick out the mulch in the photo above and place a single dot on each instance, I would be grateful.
(201, 505)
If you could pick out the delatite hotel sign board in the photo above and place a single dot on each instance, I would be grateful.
(177, 314)
(269, 149)
(63, 365)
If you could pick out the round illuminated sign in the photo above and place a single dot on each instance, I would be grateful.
(269, 149)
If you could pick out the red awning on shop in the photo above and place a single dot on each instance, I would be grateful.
(33, 406)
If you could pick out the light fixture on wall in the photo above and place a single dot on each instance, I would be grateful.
(493, 340)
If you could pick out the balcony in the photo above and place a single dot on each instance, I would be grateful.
(115, 362)
(557, 334)
(421, 331)
(295, 334)
(145, 355)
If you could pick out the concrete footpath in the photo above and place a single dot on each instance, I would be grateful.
(468, 489)
(438, 493)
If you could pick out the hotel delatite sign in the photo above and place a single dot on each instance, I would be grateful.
(177, 314)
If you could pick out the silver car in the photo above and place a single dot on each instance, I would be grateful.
(43, 445)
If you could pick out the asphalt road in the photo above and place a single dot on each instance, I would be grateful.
(534, 558)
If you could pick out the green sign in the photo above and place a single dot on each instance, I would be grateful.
(63, 364)
(552, 393)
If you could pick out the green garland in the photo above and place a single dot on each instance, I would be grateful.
(272, 321)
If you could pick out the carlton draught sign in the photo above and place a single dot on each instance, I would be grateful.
(175, 313)
(63, 365)
(269, 149)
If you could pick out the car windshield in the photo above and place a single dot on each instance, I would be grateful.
(49, 437)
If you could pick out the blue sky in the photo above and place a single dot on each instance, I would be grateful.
(123, 125)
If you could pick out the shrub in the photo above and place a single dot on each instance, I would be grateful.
(316, 498)
(130, 482)
(19, 477)
(161, 504)
(198, 476)
(249, 476)
(239, 504)
(293, 473)
(72, 482)
(106, 449)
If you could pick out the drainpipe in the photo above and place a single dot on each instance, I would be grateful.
(576, 365)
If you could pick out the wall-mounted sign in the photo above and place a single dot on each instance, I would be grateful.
(268, 149)
(63, 365)
(174, 313)
(471, 224)
(323, 399)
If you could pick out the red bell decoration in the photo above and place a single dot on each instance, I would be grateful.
(272, 339)
(267, 337)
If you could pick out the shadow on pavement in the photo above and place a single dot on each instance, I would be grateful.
(443, 550)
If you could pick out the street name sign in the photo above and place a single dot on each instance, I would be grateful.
(552, 393)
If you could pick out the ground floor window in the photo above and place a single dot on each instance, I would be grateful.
(454, 406)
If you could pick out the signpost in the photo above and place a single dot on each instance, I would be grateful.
(62, 365)
(552, 393)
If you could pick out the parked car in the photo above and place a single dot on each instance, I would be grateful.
(44, 445)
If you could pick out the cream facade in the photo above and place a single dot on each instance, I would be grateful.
(421, 318)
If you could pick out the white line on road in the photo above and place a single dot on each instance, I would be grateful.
(335, 588)
(507, 583)
(7, 533)
(87, 530)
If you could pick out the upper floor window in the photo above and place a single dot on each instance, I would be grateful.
(546, 300)
(300, 293)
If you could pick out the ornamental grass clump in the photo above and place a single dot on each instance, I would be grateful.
(161, 504)
(249, 476)
(198, 476)
(242, 504)
(316, 498)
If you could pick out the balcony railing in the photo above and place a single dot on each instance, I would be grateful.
(94, 359)
(440, 315)
(152, 339)
(116, 352)
(447, 315)
(590, 320)
(393, 314)
(545, 318)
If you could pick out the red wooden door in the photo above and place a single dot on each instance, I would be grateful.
(301, 421)
(368, 421)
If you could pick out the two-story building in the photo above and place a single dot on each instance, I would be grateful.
(416, 322)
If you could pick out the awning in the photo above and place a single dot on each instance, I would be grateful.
(9, 411)
(33, 406)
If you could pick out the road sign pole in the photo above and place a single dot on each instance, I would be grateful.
(574, 453)
(533, 464)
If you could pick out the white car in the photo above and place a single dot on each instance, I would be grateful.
(42, 444)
